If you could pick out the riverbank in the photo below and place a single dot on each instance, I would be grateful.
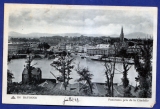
(23, 56)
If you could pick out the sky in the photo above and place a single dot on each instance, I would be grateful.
(84, 21)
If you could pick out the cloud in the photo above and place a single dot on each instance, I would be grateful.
(89, 22)
(83, 21)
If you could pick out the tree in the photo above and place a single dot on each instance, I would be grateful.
(9, 81)
(40, 46)
(9, 76)
(64, 66)
(110, 70)
(108, 75)
(125, 80)
(144, 68)
(29, 67)
(123, 52)
(85, 79)
(131, 43)
(45, 46)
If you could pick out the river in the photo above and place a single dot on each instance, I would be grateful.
(95, 67)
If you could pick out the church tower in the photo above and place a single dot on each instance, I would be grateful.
(122, 35)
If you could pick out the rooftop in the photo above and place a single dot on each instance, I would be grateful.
(35, 71)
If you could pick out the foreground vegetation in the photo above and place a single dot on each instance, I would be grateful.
(16, 88)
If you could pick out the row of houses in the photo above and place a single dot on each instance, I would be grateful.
(96, 51)
(111, 50)
(13, 48)
(100, 49)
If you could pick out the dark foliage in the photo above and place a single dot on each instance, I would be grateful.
(63, 65)
(24, 40)
(9, 76)
(85, 79)
(43, 46)
(144, 68)
(125, 80)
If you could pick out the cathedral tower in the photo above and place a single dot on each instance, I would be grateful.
(122, 35)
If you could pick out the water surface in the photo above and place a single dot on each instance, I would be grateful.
(95, 67)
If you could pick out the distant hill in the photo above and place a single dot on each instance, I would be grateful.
(136, 35)
(15, 34)
(37, 35)
(30, 35)
(114, 35)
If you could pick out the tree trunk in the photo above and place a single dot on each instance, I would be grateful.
(112, 94)
(109, 86)
(64, 76)
(29, 69)
(112, 76)
(90, 86)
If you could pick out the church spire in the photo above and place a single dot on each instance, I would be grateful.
(122, 35)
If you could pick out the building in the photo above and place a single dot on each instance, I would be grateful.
(96, 51)
(121, 44)
(51, 49)
(108, 50)
(107, 39)
(111, 51)
(75, 48)
(85, 47)
(34, 46)
(122, 35)
(102, 46)
(80, 49)
(36, 75)
(69, 47)
(14, 48)
(100, 49)
(132, 50)
(62, 47)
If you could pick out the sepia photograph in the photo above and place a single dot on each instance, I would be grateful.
(71, 53)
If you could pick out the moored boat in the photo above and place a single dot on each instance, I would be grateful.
(95, 57)
(111, 59)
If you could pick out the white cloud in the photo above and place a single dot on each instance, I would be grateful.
(88, 22)
(102, 18)
(80, 21)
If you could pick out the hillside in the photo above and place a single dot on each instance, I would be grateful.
(37, 35)
(136, 35)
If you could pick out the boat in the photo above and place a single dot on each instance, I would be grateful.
(118, 60)
(111, 59)
(95, 57)
(83, 55)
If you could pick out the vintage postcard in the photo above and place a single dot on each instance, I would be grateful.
(79, 55)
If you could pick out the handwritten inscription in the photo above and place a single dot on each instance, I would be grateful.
(70, 99)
